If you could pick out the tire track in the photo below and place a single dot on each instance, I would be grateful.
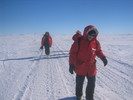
(63, 69)
(59, 70)
(54, 86)
(114, 79)
(59, 75)
(50, 82)
(40, 86)
(29, 78)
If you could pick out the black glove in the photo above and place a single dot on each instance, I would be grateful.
(41, 47)
(71, 68)
(104, 61)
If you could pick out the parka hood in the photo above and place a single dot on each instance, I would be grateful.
(46, 34)
(88, 29)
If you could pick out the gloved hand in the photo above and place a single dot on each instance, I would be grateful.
(104, 61)
(41, 47)
(71, 68)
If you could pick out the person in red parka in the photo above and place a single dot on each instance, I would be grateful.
(82, 60)
(46, 42)
(77, 35)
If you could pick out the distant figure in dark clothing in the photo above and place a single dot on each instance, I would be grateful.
(46, 42)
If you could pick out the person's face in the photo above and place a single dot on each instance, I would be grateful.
(89, 37)
(46, 34)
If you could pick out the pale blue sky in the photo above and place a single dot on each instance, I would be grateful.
(65, 16)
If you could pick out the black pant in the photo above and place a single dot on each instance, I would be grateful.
(47, 50)
(90, 86)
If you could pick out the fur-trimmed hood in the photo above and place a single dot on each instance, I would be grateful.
(88, 29)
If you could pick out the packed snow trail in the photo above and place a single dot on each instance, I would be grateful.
(26, 73)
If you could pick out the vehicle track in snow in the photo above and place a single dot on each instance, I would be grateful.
(64, 67)
(49, 78)
(54, 84)
(59, 70)
(112, 78)
(21, 94)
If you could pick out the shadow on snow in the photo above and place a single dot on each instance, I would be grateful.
(53, 55)
(68, 98)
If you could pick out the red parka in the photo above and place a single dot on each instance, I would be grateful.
(83, 56)
(49, 39)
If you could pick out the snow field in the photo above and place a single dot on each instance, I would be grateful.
(26, 73)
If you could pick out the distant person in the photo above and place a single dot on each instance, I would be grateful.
(46, 42)
(82, 60)
(77, 35)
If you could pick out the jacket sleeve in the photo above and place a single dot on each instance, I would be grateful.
(99, 52)
(42, 42)
(73, 53)
(50, 40)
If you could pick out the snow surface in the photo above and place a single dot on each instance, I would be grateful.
(26, 73)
